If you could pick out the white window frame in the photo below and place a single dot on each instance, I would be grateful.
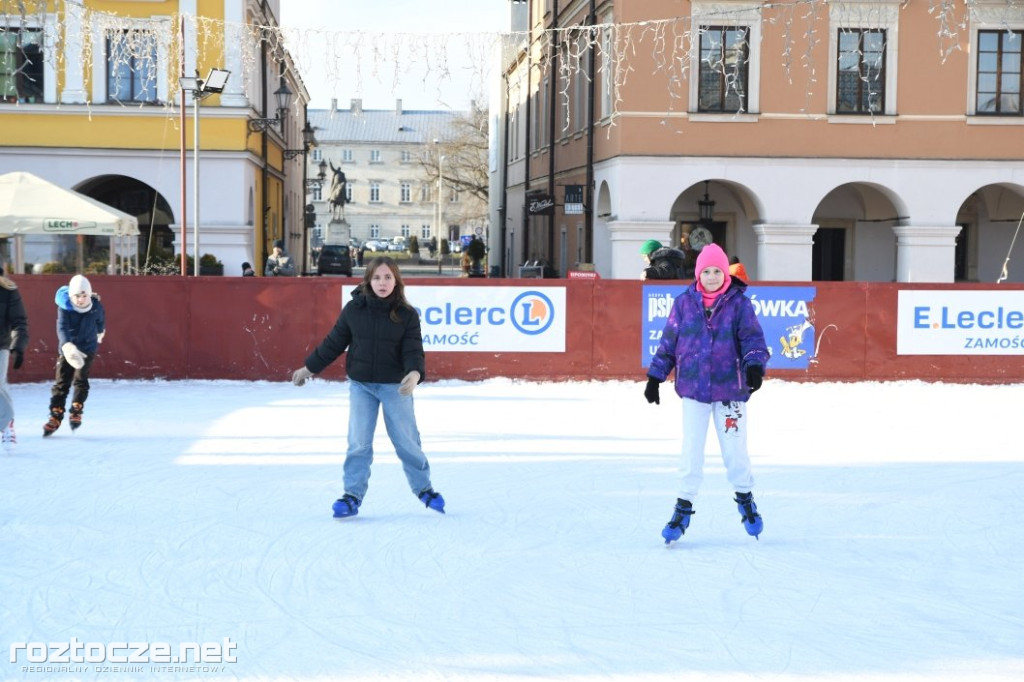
(739, 15)
(375, 156)
(161, 35)
(48, 28)
(405, 192)
(374, 231)
(375, 193)
(346, 155)
(881, 14)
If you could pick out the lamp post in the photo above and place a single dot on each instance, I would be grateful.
(283, 96)
(440, 191)
(200, 88)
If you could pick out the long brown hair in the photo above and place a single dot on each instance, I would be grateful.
(397, 296)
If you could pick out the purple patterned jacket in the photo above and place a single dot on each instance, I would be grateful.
(710, 355)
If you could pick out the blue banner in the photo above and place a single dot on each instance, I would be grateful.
(782, 311)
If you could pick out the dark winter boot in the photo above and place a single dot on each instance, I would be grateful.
(432, 500)
(680, 521)
(346, 506)
(75, 415)
(53, 423)
(748, 510)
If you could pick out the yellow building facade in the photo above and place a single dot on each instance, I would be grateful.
(91, 99)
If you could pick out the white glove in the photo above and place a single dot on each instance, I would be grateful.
(300, 375)
(72, 355)
(409, 383)
(99, 337)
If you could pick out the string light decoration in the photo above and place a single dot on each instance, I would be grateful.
(146, 52)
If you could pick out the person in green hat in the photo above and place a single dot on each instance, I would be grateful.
(662, 262)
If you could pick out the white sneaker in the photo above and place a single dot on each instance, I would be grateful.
(9, 439)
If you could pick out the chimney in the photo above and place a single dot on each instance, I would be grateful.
(357, 106)
(334, 105)
(398, 107)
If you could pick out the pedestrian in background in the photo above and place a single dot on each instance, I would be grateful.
(13, 341)
(81, 325)
(279, 263)
(662, 262)
(736, 269)
(714, 343)
(380, 331)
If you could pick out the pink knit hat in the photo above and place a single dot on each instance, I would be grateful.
(712, 256)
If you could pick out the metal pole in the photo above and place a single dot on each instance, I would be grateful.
(196, 96)
(184, 164)
(440, 191)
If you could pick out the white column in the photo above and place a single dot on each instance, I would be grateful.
(925, 253)
(234, 35)
(626, 238)
(187, 8)
(784, 251)
(74, 61)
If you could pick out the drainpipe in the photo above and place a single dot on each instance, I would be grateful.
(552, 122)
(529, 123)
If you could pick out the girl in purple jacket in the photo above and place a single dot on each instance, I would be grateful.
(716, 347)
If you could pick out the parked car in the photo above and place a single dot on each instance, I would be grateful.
(335, 259)
(375, 245)
(398, 244)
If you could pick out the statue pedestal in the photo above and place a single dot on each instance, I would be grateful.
(338, 232)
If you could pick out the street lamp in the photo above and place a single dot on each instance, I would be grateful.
(201, 88)
(318, 181)
(440, 191)
(308, 142)
(284, 97)
(706, 207)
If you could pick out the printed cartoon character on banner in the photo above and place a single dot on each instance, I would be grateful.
(793, 339)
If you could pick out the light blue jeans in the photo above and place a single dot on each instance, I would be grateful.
(6, 404)
(365, 403)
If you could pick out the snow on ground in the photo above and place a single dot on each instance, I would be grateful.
(199, 511)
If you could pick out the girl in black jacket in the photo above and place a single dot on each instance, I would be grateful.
(385, 362)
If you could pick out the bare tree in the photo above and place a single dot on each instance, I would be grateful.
(464, 168)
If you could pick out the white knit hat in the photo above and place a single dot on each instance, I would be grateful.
(79, 285)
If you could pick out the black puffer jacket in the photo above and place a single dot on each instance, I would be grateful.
(667, 263)
(380, 350)
(13, 320)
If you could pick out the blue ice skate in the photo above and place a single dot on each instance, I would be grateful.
(346, 506)
(432, 500)
(748, 510)
(680, 521)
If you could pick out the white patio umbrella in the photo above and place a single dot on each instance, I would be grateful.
(31, 205)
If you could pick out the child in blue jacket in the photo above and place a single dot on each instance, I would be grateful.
(81, 324)
(714, 343)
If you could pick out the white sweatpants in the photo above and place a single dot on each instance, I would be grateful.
(730, 422)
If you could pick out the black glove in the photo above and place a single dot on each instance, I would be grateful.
(651, 392)
(755, 373)
(19, 358)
